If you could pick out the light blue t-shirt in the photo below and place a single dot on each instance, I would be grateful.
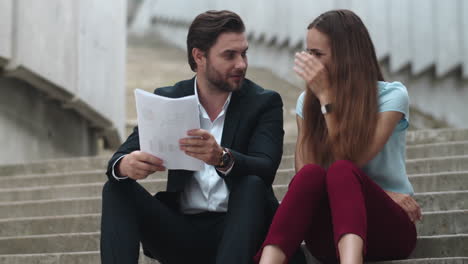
(388, 168)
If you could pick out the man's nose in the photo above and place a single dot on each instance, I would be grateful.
(241, 62)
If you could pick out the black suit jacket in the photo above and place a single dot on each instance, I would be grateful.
(253, 131)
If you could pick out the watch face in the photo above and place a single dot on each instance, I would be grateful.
(226, 158)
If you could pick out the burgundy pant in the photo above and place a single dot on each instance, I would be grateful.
(322, 206)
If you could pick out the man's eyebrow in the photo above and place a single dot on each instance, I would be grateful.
(233, 50)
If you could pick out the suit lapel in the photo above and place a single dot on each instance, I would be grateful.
(232, 120)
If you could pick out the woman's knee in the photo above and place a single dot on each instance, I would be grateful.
(310, 173)
(310, 177)
(342, 165)
(341, 171)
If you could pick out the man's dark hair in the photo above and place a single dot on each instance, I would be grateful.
(206, 28)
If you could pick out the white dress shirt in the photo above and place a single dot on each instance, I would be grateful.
(205, 191)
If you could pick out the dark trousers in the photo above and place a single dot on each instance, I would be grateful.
(322, 206)
(131, 215)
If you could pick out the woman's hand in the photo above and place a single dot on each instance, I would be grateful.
(311, 70)
(408, 204)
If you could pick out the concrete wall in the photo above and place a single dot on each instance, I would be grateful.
(35, 127)
(101, 66)
(421, 42)
(73, 52)
(5, 31)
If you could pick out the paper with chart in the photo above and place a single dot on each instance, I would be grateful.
(162, 122)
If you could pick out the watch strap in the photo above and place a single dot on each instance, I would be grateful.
(326, 108)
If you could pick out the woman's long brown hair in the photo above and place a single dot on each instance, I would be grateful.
(354, 72)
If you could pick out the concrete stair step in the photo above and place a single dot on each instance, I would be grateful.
(455, 148)
(93, 257)
(427, 246)
(440, 164)
(449, 260)
(427, 182)
(29, 226)
(413, 166)
(428, 150)
(61, 178)
(436, 136)
(68, 191)
(422, 183)
(443, 222)
(55, 207)
(55, 166)
(451, 168)
(90, 257)
(429, 202)
(442, 201)
(434, 223)
(67, 178)
(77, 242)
(439, 182)
(441, 246)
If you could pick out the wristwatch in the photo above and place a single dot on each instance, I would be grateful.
(326, 108)
(225, 160)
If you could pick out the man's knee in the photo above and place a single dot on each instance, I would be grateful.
(254, 183)
(113, 190)
(107, 189)
(250, 187)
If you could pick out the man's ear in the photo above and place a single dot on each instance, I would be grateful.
(199, 57)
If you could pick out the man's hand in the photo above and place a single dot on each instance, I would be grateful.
(138, 165)
(408, 204)
(203, 146)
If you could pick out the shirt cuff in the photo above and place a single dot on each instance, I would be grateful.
(228, 171)
(113, 170)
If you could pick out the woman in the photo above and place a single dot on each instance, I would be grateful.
(350, 199)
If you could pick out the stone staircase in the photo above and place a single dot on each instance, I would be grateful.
(50, 210)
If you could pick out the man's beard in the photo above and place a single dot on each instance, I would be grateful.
(215, 78)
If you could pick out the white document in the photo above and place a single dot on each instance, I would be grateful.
(162, 122)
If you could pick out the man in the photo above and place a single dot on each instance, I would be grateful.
(221, 213)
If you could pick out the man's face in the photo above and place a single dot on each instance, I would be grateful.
(226, 62)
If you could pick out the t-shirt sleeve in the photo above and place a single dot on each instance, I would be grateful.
(300, 105)
(395, 97)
